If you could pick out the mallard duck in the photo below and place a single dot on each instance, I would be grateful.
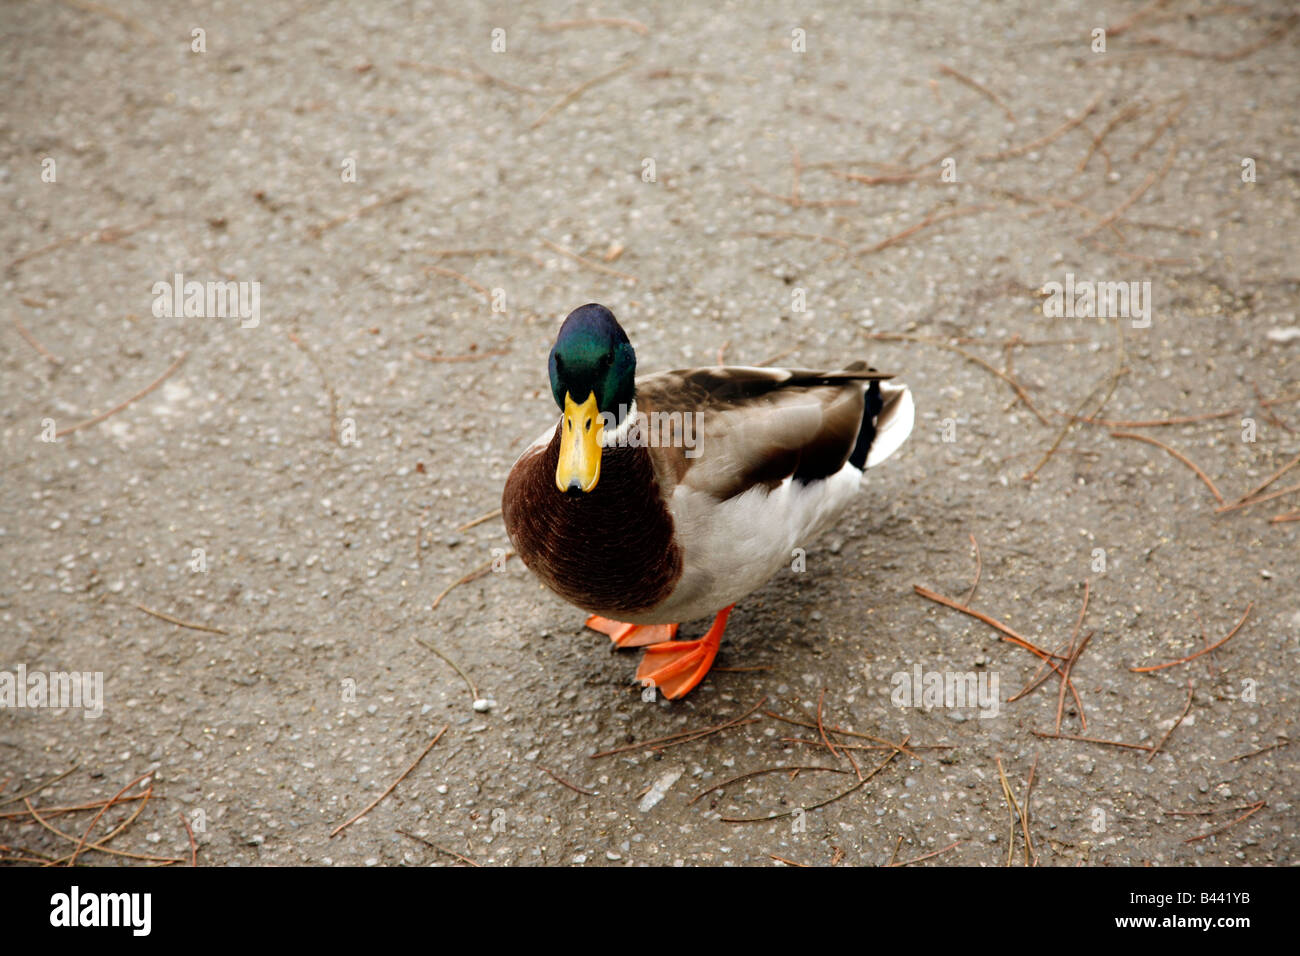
(669, 497)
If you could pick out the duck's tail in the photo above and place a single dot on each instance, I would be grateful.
(886, 423)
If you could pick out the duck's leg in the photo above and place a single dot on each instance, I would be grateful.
(632, 635)
(675, 667)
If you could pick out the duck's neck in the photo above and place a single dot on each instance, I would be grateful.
(618, 437)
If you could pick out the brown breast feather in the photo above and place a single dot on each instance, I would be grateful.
(610, 550)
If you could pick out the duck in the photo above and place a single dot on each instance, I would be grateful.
(666, 498)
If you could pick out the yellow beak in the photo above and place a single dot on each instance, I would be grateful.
(579, 465)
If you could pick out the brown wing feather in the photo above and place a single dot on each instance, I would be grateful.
(756, 426)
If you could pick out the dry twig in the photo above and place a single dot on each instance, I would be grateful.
(1177, 454)
(31, 340)
(40, 786)
(1013, 810)
(1131, 112)
(1090, 740)
(685, 736)
(315, 232)
(560, 780)
(969, 356)
(109, 234)
(178, 622)
(931, 218)
(1258, 500)
(1008, 633)
(759, 773)
(194, 847)
(480, 519)
(1254, 808)
(817, 806)
(1135, 195)
(1186, 710)
(461, 277)
(1154, 422)
(1204, 650)
(391, 787)
(112, 800)
(1047, 140)
(134, 398)
(979, 88)
(440, 849)
(950, 846)
(473, 690)
(589, 263)
(480, 571)
(1284, 742)
(579, 90)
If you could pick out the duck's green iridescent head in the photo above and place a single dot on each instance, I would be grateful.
(593, 370)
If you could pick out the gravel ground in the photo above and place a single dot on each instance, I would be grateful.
(323, 466)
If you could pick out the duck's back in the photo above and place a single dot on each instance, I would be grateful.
(766, 474)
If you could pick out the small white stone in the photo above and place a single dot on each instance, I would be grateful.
(484, 704)
(659, 789)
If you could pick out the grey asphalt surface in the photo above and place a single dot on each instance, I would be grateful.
(322, 558)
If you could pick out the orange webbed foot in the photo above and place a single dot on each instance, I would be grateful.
(632, 635)
(676, 667)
